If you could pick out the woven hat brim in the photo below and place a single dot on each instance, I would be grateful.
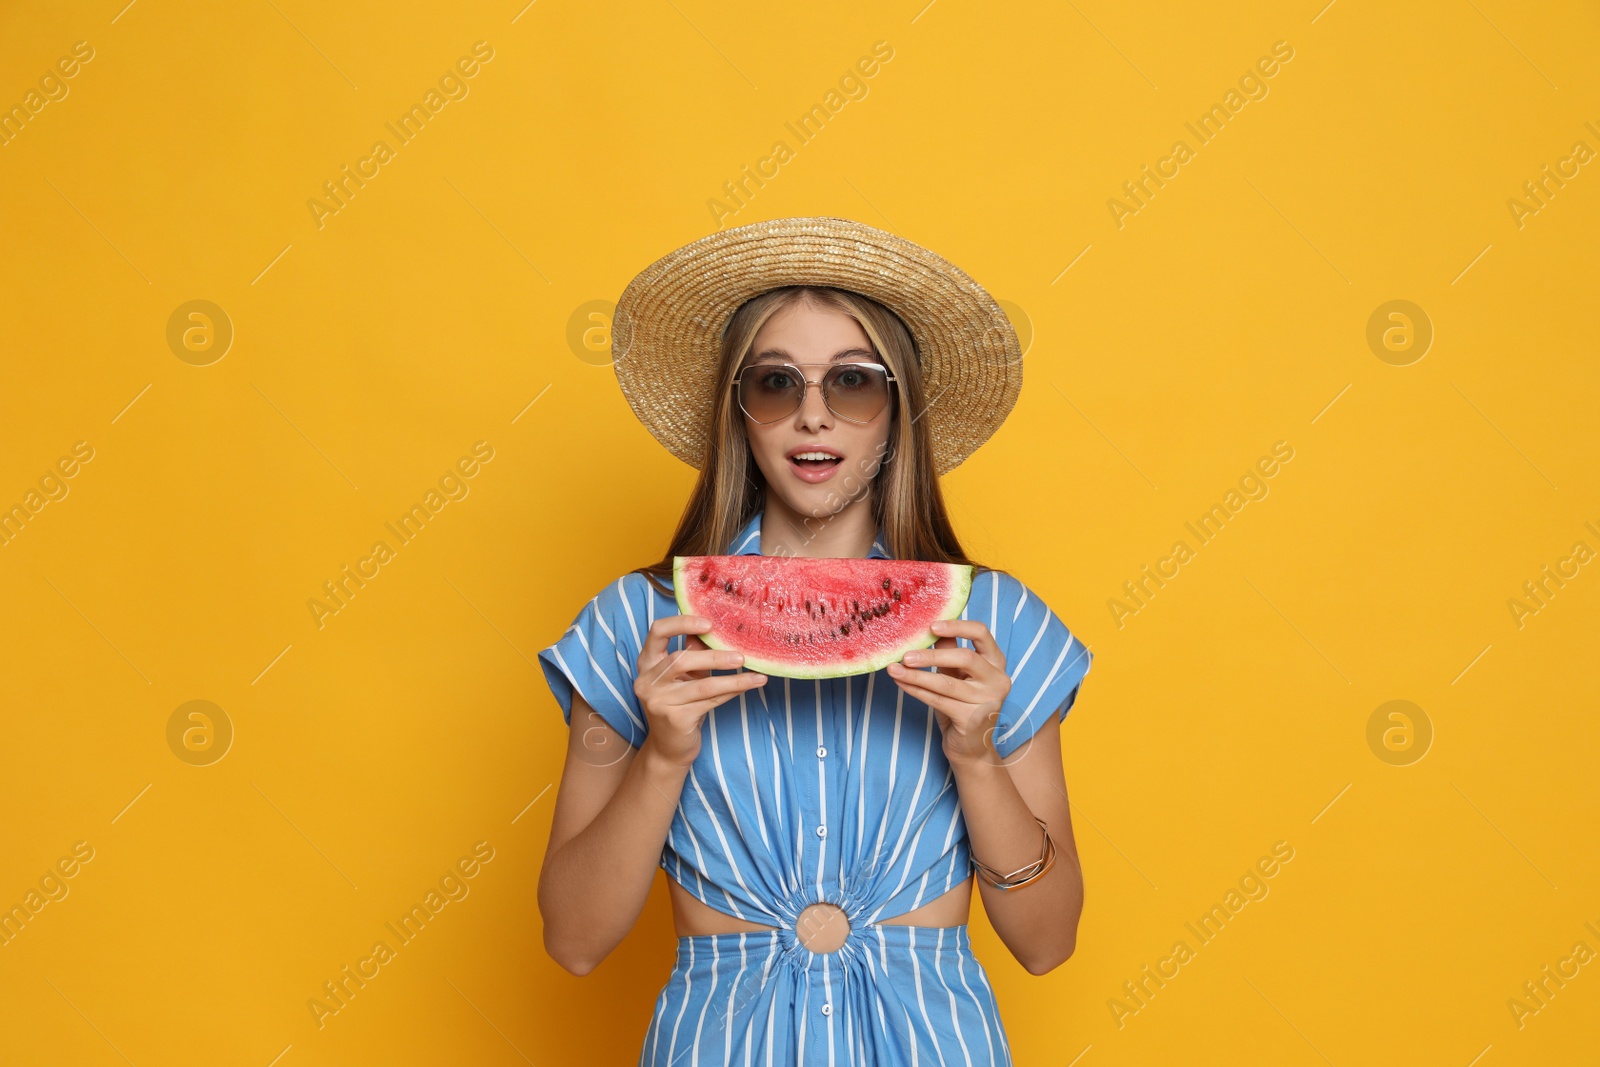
(668, 325)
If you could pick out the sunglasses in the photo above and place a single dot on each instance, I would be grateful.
(855, 392)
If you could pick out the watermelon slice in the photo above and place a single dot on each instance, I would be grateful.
(800, 617)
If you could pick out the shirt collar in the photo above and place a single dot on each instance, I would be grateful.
(748, 541)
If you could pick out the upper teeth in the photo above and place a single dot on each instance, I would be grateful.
(815, 455)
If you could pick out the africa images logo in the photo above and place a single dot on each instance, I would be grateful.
(338, 992)
(1252, 86)
(452, 86)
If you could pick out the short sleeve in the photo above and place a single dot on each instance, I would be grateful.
(1046, 661)
(598, 654)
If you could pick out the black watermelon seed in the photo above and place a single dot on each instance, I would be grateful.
(845, 629)
(886, 583)
(727, 587)
(897, 594)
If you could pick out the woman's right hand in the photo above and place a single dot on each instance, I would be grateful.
(677, 690)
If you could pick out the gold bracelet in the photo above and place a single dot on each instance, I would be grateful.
(1048, 862)
(1023, 875)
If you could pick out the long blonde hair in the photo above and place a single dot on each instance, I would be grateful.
(906, 500)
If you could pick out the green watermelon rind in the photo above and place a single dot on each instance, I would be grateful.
(960, 592)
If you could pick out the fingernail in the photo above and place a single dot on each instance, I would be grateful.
(911, 659)
(939, 624)
(895, 668)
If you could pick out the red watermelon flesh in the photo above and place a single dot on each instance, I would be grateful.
(799, 617)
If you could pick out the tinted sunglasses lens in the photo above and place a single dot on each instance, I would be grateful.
(857, 392)
(769, 393)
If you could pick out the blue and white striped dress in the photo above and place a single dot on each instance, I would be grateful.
(832, 790)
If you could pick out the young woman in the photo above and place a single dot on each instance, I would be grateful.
(821, 838)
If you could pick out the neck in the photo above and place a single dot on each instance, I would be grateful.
(848, 534)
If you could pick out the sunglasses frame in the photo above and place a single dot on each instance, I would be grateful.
(738, 393)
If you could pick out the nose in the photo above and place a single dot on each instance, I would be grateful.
(813, 414)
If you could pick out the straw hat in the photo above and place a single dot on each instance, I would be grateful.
(668, 325)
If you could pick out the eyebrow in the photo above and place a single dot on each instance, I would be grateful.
(777, 354)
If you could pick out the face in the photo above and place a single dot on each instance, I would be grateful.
(842, 456)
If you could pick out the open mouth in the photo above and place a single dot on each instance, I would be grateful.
(814, 465)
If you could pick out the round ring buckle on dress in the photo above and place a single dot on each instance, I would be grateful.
(822, 927)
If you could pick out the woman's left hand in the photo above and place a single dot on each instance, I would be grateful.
(966, 691)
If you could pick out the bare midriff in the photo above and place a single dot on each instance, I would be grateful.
(821, 927)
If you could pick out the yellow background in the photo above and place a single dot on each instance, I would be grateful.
(371, 353)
